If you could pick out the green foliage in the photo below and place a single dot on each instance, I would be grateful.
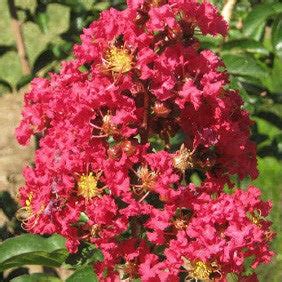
(32, 249)
(87, 254)
(36, 277)
(83, 274)
(257, 18)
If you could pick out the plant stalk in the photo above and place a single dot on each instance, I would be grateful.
(18, 34)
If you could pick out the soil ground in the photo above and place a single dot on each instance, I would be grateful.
(13, 157)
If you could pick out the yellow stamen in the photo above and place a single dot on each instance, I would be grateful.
(183, 159)
(25, 213)
(157, 3)
(108, 127)
(87, 186)
(131, 269)
(180, 224)
(255, 217)
(147, 177)
(28, 200)
(201, 270)
(118, 60)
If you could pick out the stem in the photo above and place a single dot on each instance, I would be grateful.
(144, 126)
(228, 9)
(17, 31)
(144, 197)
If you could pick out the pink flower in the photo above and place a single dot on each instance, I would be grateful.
(110, 170)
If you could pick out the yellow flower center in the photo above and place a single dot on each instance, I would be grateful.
(28, 200)
(183, 159)
(180, 224)
(118, 60)
(25, 213)
(201, 270)
(255, 217)
(157, 3)
(87, 186)
(147, 177)
(131, 269)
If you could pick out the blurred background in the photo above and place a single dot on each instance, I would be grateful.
(35, 35)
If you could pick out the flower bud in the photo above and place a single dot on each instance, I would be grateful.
(114, 152)
(128, 148)
(183, 159)
(160, 110)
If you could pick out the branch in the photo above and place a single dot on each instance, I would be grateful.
(17, 31)
(144, 126)
(228, 9)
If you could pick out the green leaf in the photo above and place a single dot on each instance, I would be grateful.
(5, 86)
(42, 21)
(232, 277)
(46, 57)
(278, 142)
(61, 51)
(256, 19)
(23, 81)
(177, 140)
(272, 82)
(248, 265)
(271, 117)
(156, 143)
(100, 6)
(75, 5)
(6, 48)
(36, 277)
(87, 254)
(8, 204)
(32, 249)
(83, 217)
(244, 65)
(276, 36)
(83, 274)
(41, 16)
(245, 45)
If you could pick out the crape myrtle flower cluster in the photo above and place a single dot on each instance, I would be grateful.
(138, 76)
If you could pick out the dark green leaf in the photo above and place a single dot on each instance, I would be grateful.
(209, 42)
(248, 265)
(157, 143)
(76, 6)
(100, 6)
(42, 21)
(271, 117)
(276, 36)
(177, 140)
(41, 16)
(87, 254)
(244, 65)
(61, 51)
(83, 274)
(5, 86)
(32, 249)
(44, 58)
(36, 277)
(83, 217)
(256, 19)
(278, 142)
(23, 81)
(6, 48)
(272, 82)
(8, 204)
(245, 45)
(232, 277)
